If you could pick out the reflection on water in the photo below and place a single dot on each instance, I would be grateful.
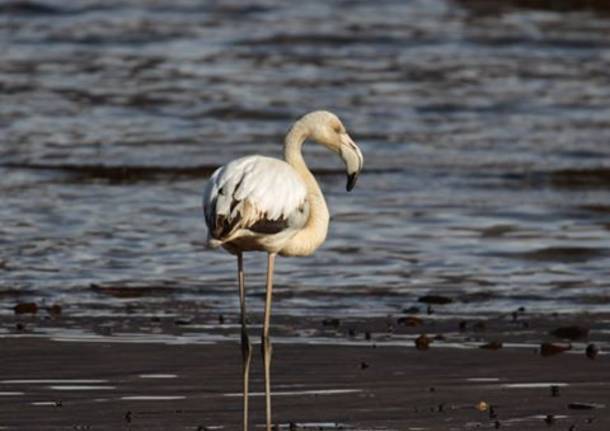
(487, 174)
(297, 393)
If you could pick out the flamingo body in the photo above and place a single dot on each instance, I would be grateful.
(259, 203)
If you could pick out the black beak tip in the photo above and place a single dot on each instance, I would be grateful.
(351, 181)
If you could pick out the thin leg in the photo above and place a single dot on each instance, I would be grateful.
(266, 342)
(246, 347)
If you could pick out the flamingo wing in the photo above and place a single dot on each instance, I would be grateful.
(259, 194)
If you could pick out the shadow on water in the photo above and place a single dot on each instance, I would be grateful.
(482, 6)
(132, 174)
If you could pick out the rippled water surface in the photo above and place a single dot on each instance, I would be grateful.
(485, 133)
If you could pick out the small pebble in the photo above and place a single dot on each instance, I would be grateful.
(54, 310)
(592, 351)
(482, 406)
(422, 342)
(550, 349)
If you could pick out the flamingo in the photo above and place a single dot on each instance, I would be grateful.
(258, 203)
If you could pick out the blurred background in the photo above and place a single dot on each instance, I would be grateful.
(485, 128)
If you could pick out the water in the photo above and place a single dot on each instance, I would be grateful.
(484, 130)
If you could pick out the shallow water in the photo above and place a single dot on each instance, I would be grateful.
(485, 134)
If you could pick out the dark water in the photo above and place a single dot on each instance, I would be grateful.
(485, 133)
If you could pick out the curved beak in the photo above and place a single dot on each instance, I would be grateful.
(352, 157)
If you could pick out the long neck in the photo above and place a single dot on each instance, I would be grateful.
(313, 234)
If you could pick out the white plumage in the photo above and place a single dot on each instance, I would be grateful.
(250, 190)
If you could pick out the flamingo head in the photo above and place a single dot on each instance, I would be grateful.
(327, 129)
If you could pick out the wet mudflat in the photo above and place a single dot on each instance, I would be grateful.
(521, 371)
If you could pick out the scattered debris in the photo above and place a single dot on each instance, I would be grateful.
(54, 310)
(592, 351)
(482, 406)
(571, 332)
(26, 308)
(550, 349)
(410, 321)
(183, 321)
(492, 345)
(585, 406)
(423, 342)
(435, 299)
(331, 322)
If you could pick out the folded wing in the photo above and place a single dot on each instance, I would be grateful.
(257, 194)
